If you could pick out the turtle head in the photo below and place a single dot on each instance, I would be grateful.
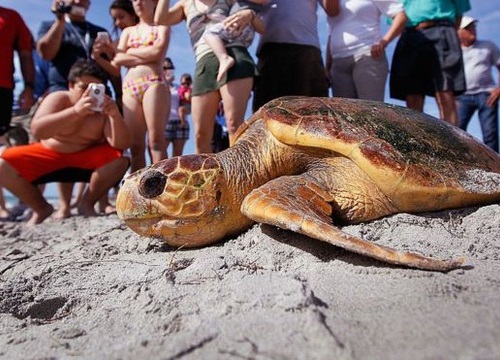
(184, 200)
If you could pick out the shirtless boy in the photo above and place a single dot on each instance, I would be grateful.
(71, 135)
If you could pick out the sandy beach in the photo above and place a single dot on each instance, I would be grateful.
(89, 288)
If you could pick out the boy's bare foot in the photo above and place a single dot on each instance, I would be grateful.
(224, 65)
(62, 213)
(40, 216)
(108, 209)
(86, 209)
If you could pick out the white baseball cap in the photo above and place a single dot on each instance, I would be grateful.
(466, 21)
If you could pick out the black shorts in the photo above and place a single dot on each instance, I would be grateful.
(427, 61)
(205, 73)
(6, 103)
(288, 69)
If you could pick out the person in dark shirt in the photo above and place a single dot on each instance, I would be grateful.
(65, 40)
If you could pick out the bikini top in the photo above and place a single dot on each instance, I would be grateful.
(142, 35)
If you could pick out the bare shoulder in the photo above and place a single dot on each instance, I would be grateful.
(125, 33)
(55, 101)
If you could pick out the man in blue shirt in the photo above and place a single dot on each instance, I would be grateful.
(64, 41)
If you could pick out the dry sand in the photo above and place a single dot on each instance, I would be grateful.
(92, 289)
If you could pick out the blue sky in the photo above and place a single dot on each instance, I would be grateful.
(35, 11)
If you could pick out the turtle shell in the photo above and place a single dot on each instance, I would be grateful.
(403, 151)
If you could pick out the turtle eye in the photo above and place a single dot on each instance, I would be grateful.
(152, 184)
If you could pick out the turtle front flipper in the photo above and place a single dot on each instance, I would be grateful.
(300, 205)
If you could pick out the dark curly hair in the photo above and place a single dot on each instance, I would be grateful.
(84, 67)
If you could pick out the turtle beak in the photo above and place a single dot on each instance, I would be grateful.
(137, 211)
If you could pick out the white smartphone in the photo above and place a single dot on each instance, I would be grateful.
(97, 91)
(103, 36)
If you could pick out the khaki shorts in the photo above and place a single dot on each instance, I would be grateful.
(205, 74)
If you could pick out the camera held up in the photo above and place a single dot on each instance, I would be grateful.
(62, 8)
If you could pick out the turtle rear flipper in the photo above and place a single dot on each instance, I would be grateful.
(300, 205)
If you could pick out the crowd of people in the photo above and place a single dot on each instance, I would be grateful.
(90, 134)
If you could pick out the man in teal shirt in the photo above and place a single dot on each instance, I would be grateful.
(428, 59)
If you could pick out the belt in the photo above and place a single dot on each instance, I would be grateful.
(431, 23)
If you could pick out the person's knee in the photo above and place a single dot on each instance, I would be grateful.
(6, 170)
(157, 144)
(115, 169)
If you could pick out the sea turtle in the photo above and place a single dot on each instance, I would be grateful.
(306, 164)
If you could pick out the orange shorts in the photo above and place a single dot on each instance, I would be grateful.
(34, 160)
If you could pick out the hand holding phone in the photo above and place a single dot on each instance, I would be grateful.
(103, 37)
(97, 92)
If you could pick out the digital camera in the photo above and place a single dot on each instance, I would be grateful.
(62, 8)
(97, 91)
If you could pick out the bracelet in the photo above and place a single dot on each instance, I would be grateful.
(29, 84)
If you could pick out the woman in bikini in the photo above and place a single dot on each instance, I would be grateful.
(235, 86)
(146, 97)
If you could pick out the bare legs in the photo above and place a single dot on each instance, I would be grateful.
(65, 194)
(101, 181)
(149, 116)
(203, 110)
(415, 102)
(3, 208)
(235, 95)
(25, 192)
(445, 101)
(104, 206)
(177, 146)
(183, 114)
(447, 107)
